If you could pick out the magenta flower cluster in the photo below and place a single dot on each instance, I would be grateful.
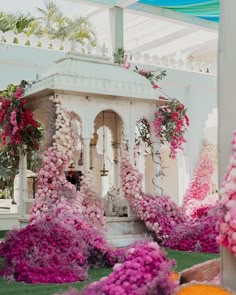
(146, 270)
(45, 252)
(163, 217)
(59, 244)
(227, 208)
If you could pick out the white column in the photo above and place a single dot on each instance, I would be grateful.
(105, 185)
(92, 156)
(226, 108)
(23, 189)
(117, 28)
(86, 154)
(116, 149)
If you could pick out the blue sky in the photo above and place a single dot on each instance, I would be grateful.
(25, 6)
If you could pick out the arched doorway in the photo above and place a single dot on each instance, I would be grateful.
(105, 151)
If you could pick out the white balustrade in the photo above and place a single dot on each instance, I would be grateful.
(10, 37)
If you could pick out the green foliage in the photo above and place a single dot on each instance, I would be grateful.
(51, 23)
(8, 170)
(17, 23)
(118, 56)
(5, 194)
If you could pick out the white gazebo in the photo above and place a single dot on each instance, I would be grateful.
(108, 101)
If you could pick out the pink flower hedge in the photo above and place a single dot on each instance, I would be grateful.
(45, 252)
(146, 270)
(163, 217)
(227, 211)
(60, 244)
(197, 235)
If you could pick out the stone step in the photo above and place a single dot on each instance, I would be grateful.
(124, 226)
(126, 240)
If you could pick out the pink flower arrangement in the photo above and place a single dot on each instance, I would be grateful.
(60, 244)
(197, 235)
(146, 270)
(227, 210)
(45, 252)
(92, 205)
(163, 217)
(53, 188)
(197, 199)
(170, 125)
(159, 213)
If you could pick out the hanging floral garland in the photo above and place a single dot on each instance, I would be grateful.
(19, 129)
(170, 125)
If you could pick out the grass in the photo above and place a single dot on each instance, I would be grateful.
(187, 259)
(183, 259)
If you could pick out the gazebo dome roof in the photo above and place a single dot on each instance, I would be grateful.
(93, 75)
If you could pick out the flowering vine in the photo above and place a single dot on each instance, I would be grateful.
(151, 76)
(19, 129)
(170, 124)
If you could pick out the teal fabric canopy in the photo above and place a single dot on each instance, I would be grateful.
(206, 9)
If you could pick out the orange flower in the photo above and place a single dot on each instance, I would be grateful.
(199, 289)
(174, 276)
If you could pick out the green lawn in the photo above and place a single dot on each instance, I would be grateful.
(187, 259)
(183, 259)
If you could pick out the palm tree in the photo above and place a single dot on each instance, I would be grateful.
(55, 25)
(80, 30)
(52, 23)
(17, 23)
(7, 22)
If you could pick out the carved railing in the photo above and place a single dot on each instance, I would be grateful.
(166, 62)
(10, 37)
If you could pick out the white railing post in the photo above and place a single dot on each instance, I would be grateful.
(23, 189)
